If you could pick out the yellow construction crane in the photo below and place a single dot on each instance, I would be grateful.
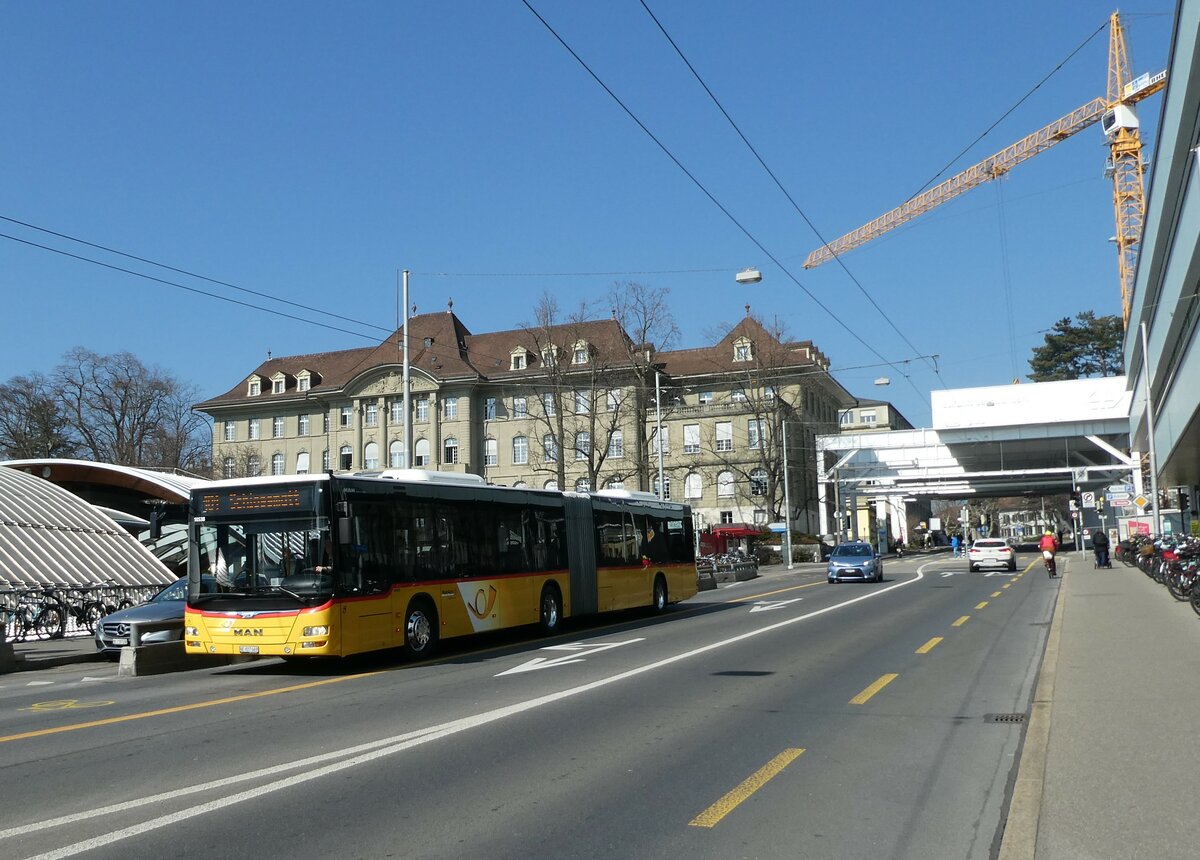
(1124, 166)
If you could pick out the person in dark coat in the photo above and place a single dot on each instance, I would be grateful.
(1100, 547)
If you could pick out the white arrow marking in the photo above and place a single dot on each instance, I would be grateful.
(768, 605)
(548, 662)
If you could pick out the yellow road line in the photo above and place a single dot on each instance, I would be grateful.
(862, 697)
(981, 604)
(777, 591)
(995, 594)
(1006, 585)
(711, 816)
(179, 709)
(930, 645)
(961, 621)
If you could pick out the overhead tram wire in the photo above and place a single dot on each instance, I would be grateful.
(198, 277)
(775, 178)
(711, 197)
(196, 290)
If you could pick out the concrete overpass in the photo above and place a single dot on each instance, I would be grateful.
(1005, 440)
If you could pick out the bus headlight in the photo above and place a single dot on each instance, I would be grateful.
(191, 631)
(316, 631)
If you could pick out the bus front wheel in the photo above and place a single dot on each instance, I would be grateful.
(550, 610)
(659, 601)
(420, 629)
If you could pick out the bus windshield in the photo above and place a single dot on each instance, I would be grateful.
(291, 557)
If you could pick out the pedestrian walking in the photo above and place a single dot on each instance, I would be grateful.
(954, 546)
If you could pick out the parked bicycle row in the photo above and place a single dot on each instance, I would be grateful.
(37, 611)
(1169, 560)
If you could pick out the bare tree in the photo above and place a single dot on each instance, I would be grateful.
(124, 412)
(772, 391)
(243, 462)
(581, 399)
(31, 421)
(645, 316)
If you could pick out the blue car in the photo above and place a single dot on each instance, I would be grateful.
(855, 561)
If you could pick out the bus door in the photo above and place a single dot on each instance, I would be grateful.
(366, 579)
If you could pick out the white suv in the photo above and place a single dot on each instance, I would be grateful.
(991, 551)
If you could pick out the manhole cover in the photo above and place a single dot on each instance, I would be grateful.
(1004, 718)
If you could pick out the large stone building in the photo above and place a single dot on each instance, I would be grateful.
(571, 406)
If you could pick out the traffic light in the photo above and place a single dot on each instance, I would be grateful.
(1185, 501)
(1076, 500)
(1099, 505)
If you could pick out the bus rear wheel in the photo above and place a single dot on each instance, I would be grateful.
(420, 629)
(659, 601)
(550, 610)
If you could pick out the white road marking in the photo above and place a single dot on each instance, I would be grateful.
(39, 683)
(768, 605)
(550, 662)
(382, 748)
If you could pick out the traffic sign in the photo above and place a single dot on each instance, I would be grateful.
(1089, 499)
(1121, 503)
(1120, 488)
(1141, 501)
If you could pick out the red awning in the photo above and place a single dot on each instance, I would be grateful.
(737, 530)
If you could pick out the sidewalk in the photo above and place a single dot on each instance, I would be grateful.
(48, 653)
(1109, 765)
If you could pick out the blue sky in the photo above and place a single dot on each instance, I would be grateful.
(310, 150)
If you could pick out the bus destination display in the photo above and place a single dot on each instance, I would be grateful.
(257, 502)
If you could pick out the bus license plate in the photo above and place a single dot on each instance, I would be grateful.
(247, 649)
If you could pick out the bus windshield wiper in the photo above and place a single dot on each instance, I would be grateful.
(290, 593)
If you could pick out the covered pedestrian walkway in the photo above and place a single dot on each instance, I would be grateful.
(1008, 440)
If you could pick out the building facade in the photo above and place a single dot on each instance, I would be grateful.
(570, 406)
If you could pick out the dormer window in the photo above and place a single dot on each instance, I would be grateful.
(743, 350)
(277, 386)
(255, 386)
(581, 354)
(550, 356)
(303, 381)
(519, 359)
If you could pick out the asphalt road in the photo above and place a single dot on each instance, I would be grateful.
(783, 717)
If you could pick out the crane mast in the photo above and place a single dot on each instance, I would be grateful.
(1124, 166)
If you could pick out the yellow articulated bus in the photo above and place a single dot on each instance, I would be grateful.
(334, 565)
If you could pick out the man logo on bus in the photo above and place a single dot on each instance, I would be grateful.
(484, 603)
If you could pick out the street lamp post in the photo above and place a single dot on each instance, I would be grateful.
(787, 500)
(659, 432)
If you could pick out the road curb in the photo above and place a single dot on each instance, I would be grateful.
(1025, 808)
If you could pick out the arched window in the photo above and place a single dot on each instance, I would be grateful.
(276, 464)
(491, 452)
(253, 466)
(450, 450)
(345, 458)
(302, 463)
(520, 485)
(396, 454)
(371, 456)
(551, 484)
(725, 484)
(758, 482)
(421, 454)
(228, 468)
(692, 486)
(583, 485)
(520, 450)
